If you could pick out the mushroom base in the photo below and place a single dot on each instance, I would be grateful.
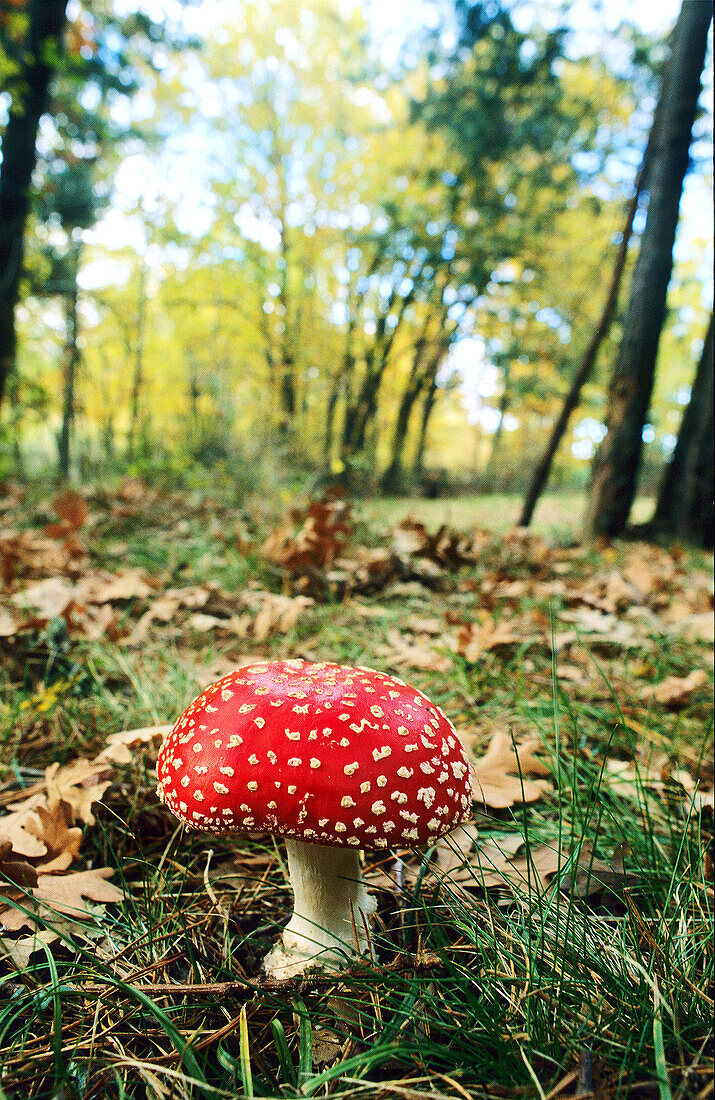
(331, 910)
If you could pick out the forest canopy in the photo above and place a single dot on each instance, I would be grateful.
(364, 251)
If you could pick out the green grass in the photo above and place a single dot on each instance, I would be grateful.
(473, 992)
(556, 513)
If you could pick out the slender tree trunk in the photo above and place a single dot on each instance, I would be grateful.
(46, 20)
(138, 373)
(542, 470)
(504, 403)
(361, 414)
(615, 467)
(391, 480)
(684, 509)
(70, 365)
(427, 410)
(419, 381)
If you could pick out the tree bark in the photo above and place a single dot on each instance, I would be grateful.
(542, 470)
(427, 410)
(46, 21)
(684, 509)
(71, 362)
(615, 467)
(138, 372)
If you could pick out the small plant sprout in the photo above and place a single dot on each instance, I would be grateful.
(335, 760)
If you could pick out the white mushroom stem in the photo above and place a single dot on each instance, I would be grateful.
(331, 909)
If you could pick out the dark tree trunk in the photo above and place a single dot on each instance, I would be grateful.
(46, 25)
(684, 509)
(360, 415)
(138, 373)
(427, 410)
(392, 477)
(615, 467)
(542, 470)
(70, 365)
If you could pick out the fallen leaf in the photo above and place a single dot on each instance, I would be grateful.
(501, 777)
(80, 784)
(278, 614)
(128, 584)
(14, 872)
(405, 654)
(473, 640)
(8, 624)
(675, 691)
(21, 950)
(67, 893)
(72, 509)
(49, 597)
(121, 747)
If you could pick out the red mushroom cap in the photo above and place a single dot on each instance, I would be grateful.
(324, 753)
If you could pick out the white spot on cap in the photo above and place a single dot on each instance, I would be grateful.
(357, 822)
(380, 754)
(226, 771)
(252, 786)
(314, 762)
(458, 769)
(405, 773)
(293, 735)
(260, 722)
(399, 797)
(294, 762)
(347, 801)
(234, 741)
(198, 795)
(427, 795)
(220, 788)
(184, 781)
(272, 756)
(402, 730)
(253, 759)
(201, 769)
(426, 768)
(365, 787)
(350, 769)
(378, 808)
(226, 694)
(291, 788)
(340, 827)
(198, 747)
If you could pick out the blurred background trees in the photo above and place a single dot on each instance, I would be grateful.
(266, 243)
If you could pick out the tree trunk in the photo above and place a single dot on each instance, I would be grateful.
(427, 409)
(684, 509)
(46, 19)
(71, 362)
(615, 467)
(542, 470)
(138, 373)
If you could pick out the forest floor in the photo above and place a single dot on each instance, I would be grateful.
(560, 944)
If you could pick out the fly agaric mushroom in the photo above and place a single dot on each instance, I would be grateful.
(334, 760)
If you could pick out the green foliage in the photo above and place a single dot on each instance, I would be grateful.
(300, 280)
